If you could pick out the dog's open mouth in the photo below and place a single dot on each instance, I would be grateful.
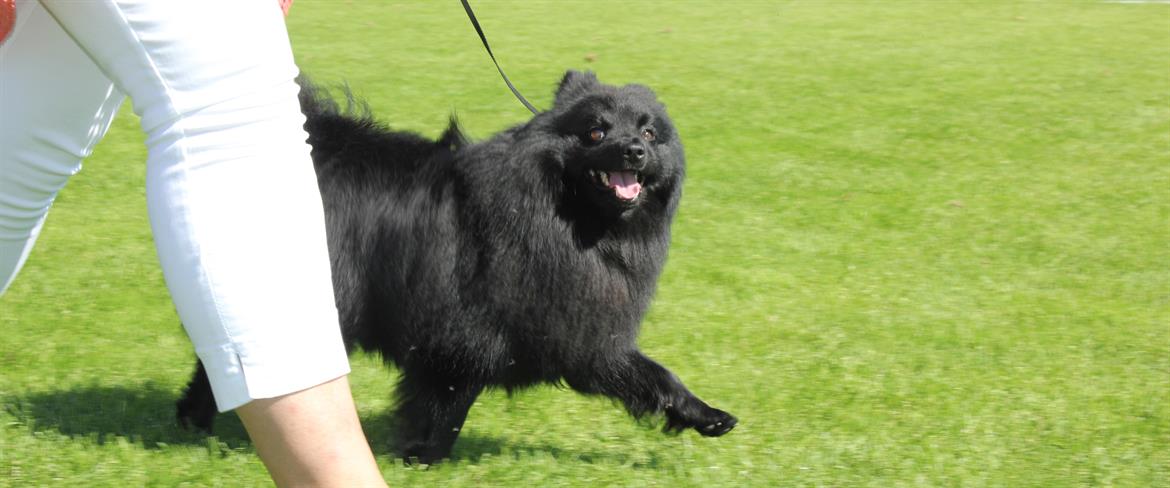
(625, 184)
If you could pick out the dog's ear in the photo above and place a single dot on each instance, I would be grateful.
(574, 85)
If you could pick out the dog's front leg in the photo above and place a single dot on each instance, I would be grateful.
(645, 387)
(430, 415)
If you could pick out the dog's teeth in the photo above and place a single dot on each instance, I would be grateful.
(604, 178)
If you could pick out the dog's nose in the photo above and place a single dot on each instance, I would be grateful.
(635, 153)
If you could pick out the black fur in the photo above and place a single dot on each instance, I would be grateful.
(505, 263)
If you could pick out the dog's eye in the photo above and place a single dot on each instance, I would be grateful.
(596, 134)
(647, 135)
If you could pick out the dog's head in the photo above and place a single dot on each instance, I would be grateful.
(621, 152)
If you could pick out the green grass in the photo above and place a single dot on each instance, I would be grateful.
(922, 244)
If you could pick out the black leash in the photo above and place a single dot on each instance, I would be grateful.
(474, 22)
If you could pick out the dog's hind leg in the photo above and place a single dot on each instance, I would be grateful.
(197, 406)
(431, 414)
(645, 387)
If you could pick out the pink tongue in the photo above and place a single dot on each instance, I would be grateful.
(625, 184)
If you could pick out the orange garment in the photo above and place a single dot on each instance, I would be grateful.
(8, 16)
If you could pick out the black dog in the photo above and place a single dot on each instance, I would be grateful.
(527, 258)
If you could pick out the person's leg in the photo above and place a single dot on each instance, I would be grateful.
(311, 438)
(237, 218)
(55, 105)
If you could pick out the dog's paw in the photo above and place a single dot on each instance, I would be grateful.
(710, 422)
(421, 453)
(717, 424)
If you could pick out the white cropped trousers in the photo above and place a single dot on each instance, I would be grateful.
(230, 188)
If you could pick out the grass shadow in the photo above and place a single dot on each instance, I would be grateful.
(143, 415)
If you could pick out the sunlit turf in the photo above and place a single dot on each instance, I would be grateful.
(921, 244)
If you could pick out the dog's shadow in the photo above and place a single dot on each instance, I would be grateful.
(146, 416)
(474, 448)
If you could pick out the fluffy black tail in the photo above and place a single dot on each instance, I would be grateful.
(328, 123)
(316, 101)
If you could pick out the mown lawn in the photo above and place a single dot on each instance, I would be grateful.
(922, 244)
